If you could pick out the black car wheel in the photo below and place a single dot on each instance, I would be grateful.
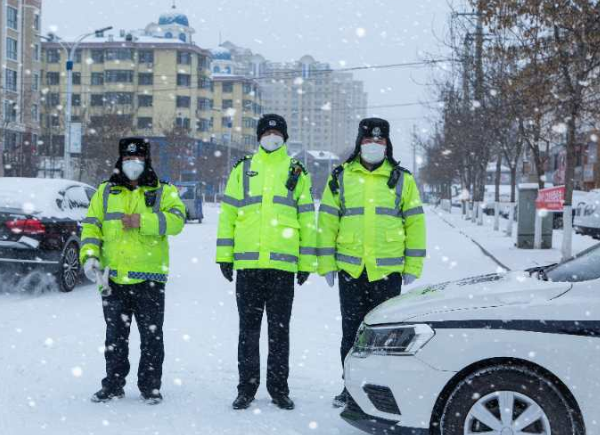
(508, 400)
(69, 271)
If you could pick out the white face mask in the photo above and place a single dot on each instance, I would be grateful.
(372, 152)
(271, 142)
(133, 168)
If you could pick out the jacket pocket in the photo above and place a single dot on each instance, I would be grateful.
(112, 230)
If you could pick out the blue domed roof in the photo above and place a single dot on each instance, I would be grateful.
(173, 17)
(221, 53)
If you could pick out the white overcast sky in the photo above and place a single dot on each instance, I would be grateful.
(342, 32)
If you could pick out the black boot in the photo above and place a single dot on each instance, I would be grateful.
(242, 401)
(153, 398)
(283, 402)
(341, 399)
(106, 395)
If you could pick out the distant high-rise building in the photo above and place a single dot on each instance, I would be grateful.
(20, 52)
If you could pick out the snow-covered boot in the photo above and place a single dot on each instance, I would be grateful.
(106, 395)
(242, 401)
(153, 398)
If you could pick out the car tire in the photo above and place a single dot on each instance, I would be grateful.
(69, 271)
(477, 399)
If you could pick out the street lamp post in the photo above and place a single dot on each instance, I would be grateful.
(70, 51)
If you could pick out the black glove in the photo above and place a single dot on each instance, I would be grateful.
(227, 271)
(302, 277)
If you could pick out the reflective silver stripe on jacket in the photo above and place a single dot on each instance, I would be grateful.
(92, 221)
(148, 276)
(240, 256)
(323, 208)
(159, 194)
(387, 211)
(398, 261)
(91, 241)
(342, 193)
(306, 208)
(248, 200)
(348, 259)
(399, 187)
(321, 252)
(225, 242)
(231, 201)
(413, 212)
(113, 216)
(251, 200)
(353, 211)
(177, 212)
(162, 223)
(284, 257)
(105, 196)
(286, 200)
(415, 252)
(308, 251)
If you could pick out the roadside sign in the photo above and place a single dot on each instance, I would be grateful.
(551, 199)
(75, 138)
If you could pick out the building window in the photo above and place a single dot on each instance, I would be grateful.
(205, 83)
(168, 35)
(226, 122)
(10, 111)
(97, 100)
(182, 37)
(184, 58)
(35, 82)
(247, 88)
(12, 18)
(97, 79)
(11, 48)
(203, 62)
(144, 123)
(118, 76)
(145, 79)
(36, 52)
(52, 78)
(146, 56)
(52, 55)
(183, 123)
(183, 102)
(35, 113)
(77, 57)
(227, 87)
(11, 80)
(119, 54)
(205, 104)
(52, 99)
(227, 104)
(203, 125)
(98, 56)
(36, 22)
(145, 100)
(184, 80)
(77, 78)
(76, 100)
(123, 98)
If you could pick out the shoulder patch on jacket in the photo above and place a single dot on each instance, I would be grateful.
(334, 184)
(298, 164)
(243, 159)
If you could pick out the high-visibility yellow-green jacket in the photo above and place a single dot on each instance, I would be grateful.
(133, 255)
(263, 224)
(367, 224)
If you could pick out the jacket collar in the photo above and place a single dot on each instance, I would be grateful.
(276, 156)
(384, 170)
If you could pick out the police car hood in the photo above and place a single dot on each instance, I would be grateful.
(486, 291)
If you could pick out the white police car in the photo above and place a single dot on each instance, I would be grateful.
(517, 353)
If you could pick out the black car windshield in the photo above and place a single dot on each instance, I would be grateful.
(583, 267)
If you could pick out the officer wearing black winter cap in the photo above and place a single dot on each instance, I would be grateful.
(371, 230)
(267, 234)
(125, 250)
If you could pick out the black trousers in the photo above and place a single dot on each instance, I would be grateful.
(357, 298)
(257, 290)
(145, 302)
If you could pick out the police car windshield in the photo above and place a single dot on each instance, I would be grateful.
(583, 267)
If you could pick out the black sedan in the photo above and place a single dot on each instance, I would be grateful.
(40, 227)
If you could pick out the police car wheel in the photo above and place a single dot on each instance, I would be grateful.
(508, 399)
(69, 271)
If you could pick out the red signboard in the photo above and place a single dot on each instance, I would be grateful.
(551, 199)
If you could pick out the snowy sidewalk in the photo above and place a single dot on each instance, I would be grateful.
(503, 248)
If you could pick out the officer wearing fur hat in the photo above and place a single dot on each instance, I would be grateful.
(125, 250)
(267, 233)
(371, 230)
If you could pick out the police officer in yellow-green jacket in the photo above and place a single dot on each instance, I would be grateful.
(125, 250)
(371, 230)
(267, 233)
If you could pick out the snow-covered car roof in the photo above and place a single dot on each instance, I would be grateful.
(35, 196)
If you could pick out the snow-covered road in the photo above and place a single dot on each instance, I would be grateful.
(51, 352)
